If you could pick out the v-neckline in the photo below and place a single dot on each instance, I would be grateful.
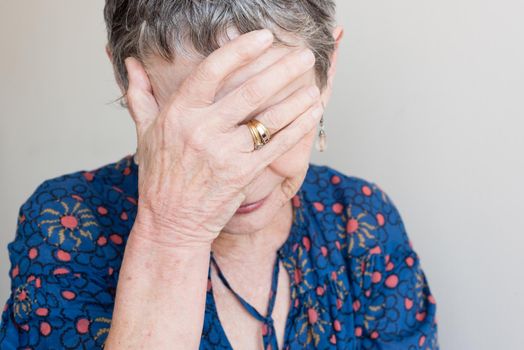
(284, 253)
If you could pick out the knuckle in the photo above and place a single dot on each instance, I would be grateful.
(305, 103)
(242, 53)
(310, 98)
(286, 144)
(187, 89)
(207, 70)
(199, 137)
(270, 119)
(290, 139)
(252, 94)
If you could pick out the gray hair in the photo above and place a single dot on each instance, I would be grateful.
(140, 28)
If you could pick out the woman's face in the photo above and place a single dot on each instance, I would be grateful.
(283, 177)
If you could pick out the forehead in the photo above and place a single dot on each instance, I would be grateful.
(166, 77)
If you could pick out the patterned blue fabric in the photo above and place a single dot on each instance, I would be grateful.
(356, 282)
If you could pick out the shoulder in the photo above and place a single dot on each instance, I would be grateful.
(72, 223)
(366, 242)
(357, 212)
(79, 185)
(93, 188)
(61, 262)
(69, 240)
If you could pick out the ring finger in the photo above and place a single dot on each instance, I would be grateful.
(278, 116)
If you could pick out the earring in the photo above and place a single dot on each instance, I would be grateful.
(321, 143)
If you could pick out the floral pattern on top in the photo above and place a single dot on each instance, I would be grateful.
(356, 281)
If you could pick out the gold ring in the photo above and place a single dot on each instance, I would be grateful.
(259, 132)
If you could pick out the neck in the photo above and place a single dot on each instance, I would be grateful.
(248, 260)
(256, 248)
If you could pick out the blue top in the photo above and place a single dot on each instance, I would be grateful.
(356, 282)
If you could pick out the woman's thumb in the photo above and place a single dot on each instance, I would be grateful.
(141, 102)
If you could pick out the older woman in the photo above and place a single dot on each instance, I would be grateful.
(232, 238)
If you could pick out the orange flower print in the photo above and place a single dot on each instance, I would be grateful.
(104, 324)
(312, 320)
(22, 302)
(339, 280)
(69, 224)
(300, 271)
(357, 232)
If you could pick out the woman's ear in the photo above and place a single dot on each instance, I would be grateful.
(338, 33)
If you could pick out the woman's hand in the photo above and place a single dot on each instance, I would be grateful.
(195, 161)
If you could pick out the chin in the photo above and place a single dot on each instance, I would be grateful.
(245, 223)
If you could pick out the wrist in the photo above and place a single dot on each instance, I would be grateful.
(169, 235)
(146, 240)
(162, 264)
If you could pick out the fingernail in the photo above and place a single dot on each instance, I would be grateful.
(307, 55)
(264, 35)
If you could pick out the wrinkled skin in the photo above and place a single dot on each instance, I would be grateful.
(197, 165)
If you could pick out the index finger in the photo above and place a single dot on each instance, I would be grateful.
(200, 87)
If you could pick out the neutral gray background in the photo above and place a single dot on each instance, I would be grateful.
(428, 103)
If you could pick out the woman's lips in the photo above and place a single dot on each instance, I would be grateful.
(248, 208)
